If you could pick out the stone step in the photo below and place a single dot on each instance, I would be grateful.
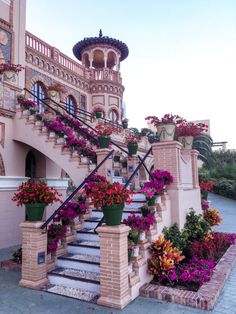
(91, 222)
(84, 247)
(75, 278)
(76, 293)
(87, 234)
(79, 261)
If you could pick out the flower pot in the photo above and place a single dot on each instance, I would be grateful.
(151, 201)
(132, 148)
(166, 132)
(125, 125)
(9, 76)
(38, 123)
(130, 268)
(32, 117)
(52, 135)
(34, 211)
(75, 153)
(84, 160)
(145, 211)
(158, 199)
(25, 113)
(60, 134)
(142, 236)
(135, 252)
(60, 140)
(116, 158)
(113, 214)
(187, 141)
(104, 141)
(98, 114)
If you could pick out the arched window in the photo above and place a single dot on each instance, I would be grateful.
(70, 104)
(113, 116)
(30, 165)
(39, 95)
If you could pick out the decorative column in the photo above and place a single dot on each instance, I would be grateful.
(194, 154)
(34, 255)
(106, 168)
(132, 162)
(114, 285)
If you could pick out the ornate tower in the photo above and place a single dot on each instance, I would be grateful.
(101, 57)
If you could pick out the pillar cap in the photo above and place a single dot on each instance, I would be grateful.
(119, 229)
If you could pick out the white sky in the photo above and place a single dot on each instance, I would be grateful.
(182, 53)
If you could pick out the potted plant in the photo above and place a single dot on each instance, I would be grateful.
(111, 197)
(125, 122)
(205, 187)
(9, 71)
(55, 234)
(132, 139)
(187, 131)
(35, 195)
(165, 125)
(104, 130)
(27, 105)
(152, 189)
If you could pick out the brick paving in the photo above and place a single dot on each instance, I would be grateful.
(17, 300)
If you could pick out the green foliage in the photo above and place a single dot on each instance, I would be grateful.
(195, 227)
(177, 237)
(17, 256)
(226, 188)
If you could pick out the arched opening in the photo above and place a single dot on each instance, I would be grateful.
(98, 59)
(39, 92)
(2, 168)
(142, 174)
(85, 61)
(99, 110)
(113, 116)
(30, 165)
(70, 104)
(111, 59)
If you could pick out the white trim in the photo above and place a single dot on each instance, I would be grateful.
(12, 182)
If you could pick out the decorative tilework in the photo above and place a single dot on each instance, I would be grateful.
(5, 45)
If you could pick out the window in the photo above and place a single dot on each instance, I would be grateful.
(113, 116)
(82, 106)
(70, 104)
(39, 95)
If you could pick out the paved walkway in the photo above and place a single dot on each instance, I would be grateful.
(16, 300)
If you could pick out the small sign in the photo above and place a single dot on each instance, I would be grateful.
(41, 257)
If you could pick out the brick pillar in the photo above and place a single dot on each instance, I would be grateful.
(194, 154)
(106, 169)
(34, 255)
(132, 163)
(114, 286)
(166, 156)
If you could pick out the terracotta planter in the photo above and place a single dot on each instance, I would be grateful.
(35, 211)
(187, 141)
(166, 132)
(113, 214)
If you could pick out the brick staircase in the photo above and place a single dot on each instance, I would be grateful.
(76, 272)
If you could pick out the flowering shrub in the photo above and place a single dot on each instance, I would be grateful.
(26, 103)
(214, 248)
(104, 193)
(10, 67)
(55, 233)
(105, 129)
(33, 191)
(194, 273)
(206, 186)
(212, 216)
(164, 258)
(167, 118)
(191, 129)
(71, 210)
(131, 138)
(140, 223)
(152, 188)
(162, 175)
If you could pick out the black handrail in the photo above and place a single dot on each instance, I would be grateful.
(128, 182)
(76, 190)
